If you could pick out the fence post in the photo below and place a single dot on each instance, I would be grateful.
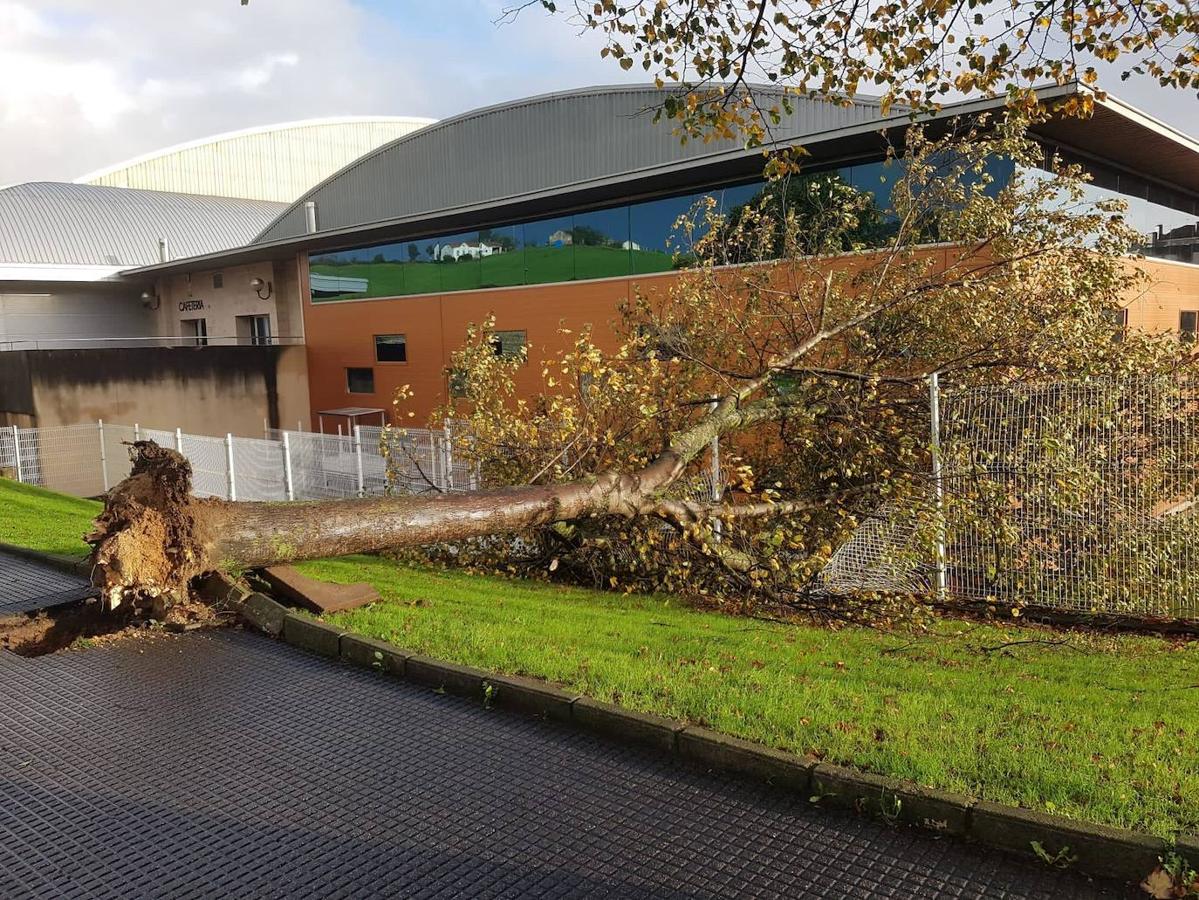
(178, 440)
(448, 449)
(229, 466)
(137, 432)
(103, 456)
(714, 492)
(358, 460)
(16, 452)
(287, 482)
(934, 409)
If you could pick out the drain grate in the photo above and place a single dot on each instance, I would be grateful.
(226, 764)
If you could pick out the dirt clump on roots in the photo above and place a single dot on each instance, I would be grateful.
(147, 533)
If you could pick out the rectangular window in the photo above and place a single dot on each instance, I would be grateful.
(1188, 321)
(602, 245)
(195, 330)
(360, 380)
(1119, 320)
(218, 281)
(391, 348)
(457, 384)
(508, 344)
(503, 256)
(254, 330)
(549, 250)
(459, 258)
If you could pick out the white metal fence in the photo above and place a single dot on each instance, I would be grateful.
(1078, 496)
(87, 460)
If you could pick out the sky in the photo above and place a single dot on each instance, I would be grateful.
(88, 83)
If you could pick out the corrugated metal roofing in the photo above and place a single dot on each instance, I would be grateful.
(80, 224)
(536, 144)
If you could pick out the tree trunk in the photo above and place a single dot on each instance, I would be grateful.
(154, 536)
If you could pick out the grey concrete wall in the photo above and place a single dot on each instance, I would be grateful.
(209, 390)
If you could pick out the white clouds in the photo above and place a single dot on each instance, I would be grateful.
(85, 83)
(255, 77)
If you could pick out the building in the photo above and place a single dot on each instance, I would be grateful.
(81, 339)
(580, 190)
(543, 210)
(272, 162)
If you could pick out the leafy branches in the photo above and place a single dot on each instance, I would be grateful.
(914, 52)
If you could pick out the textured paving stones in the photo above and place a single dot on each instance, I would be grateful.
(227, 764)
(27, 584)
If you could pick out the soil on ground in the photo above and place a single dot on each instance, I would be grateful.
(88, 623)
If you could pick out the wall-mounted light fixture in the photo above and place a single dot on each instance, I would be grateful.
(151, 300)
(258, 285)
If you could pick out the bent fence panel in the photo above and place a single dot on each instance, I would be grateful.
(1076, 496)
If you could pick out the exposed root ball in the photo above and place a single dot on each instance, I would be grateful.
(144, 541)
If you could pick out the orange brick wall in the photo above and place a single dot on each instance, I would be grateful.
(1171, 288)
(341, 334)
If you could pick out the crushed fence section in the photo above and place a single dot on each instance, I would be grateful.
(87, 460)
(1076, 496)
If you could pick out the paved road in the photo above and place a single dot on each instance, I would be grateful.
(227, 764)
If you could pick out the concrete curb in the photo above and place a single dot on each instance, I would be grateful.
(68, 564)
(1092, 849)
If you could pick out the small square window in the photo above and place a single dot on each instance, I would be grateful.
(509, 344)
(218, 280)
(1187, 322)
(360, 380)
(391, 348)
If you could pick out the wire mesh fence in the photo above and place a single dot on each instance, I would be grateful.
(86, 460)
(1076, 496)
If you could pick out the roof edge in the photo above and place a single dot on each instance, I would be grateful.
(520, 102)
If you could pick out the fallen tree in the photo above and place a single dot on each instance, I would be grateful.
(803, 332)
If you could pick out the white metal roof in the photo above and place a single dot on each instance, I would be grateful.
(52, 223)
(269, 162)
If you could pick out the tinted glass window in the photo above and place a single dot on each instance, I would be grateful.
(601, 243)
(502, 263)
(422, 266)
(733, 197)
(549, 250)
(878, 179)
(360, 381)
(391, 348)
(459, 255)
(658, 243)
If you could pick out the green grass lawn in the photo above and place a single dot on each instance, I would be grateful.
(44, 520)
(1104, 728)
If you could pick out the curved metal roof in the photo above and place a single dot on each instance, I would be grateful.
(528, 146)
(86, 225)
(269, 162)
